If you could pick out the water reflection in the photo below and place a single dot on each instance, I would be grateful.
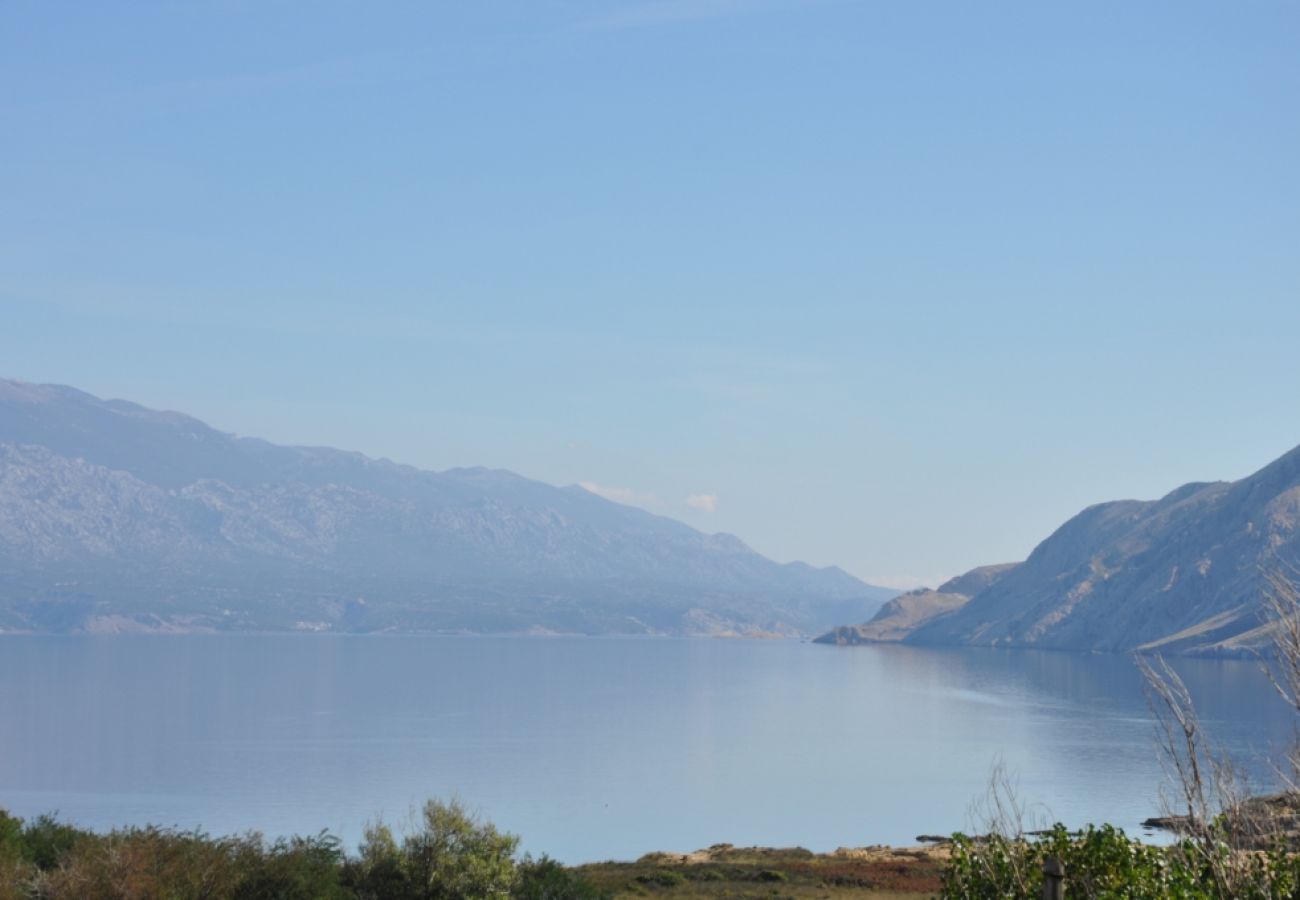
(590, 748)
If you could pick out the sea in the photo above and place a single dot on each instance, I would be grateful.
(596, 748)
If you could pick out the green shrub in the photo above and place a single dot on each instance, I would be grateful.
(455, 856)
(661, 878)
(47, 840)
(450, 856)
(297, 868)
(12, 845)
(546, 879)
(143, 862)
(379, 872)
(1103, 862)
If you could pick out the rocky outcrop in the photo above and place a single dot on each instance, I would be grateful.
(898, 618)
(903, 615)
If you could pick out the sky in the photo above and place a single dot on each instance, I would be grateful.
(898, 286)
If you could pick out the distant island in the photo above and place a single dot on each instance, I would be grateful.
(117, 518)
(1186, 574)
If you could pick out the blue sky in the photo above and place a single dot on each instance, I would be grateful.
(893, 285)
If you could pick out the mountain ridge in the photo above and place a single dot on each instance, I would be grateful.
(1185, 573)
(112, 512)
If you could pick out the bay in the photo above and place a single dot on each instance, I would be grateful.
(591, 748)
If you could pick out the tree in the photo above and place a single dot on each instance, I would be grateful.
(455, 856)
(379, 872)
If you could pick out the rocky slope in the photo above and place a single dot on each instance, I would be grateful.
(903, 615)
(1183, 574)
(116, 517)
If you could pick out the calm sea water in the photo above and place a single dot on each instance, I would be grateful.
(588, 748)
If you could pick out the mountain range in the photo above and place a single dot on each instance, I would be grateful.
(115, 517)
(1186, 574)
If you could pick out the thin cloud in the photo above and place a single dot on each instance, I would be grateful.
(703, 502)
(626, 496)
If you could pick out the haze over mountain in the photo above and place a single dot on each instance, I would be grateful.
(114, 517)
(1183, 574)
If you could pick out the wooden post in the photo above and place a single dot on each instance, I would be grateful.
(1053, 879)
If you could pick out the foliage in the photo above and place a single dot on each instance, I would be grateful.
(457, 857)
(142, 862)
(297, 868)
(1230, 845)
(12, 845)
(379, 872)
(661, 878)
(546, 879)
(46, 841)
(726, 872)
(1103, 862)
(450, 854)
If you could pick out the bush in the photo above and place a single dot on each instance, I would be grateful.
(297, 868)
(451, 855)
(12, 845)
(457, 857)
(662, 878)
(379, 871)
(1104, 862)
(143, 862)
(47, 841)
(546, 879)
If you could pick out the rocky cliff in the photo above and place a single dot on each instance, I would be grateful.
(1183, 574)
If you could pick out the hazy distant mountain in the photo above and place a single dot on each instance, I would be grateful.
(1184, 574)
(116, 517)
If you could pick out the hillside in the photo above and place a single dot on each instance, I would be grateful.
(114, 517)
(900, 617)
(1183, 574)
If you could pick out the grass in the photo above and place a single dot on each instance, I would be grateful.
(724, 871)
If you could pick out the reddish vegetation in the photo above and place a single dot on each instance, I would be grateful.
(915, 875)
(724, 870)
